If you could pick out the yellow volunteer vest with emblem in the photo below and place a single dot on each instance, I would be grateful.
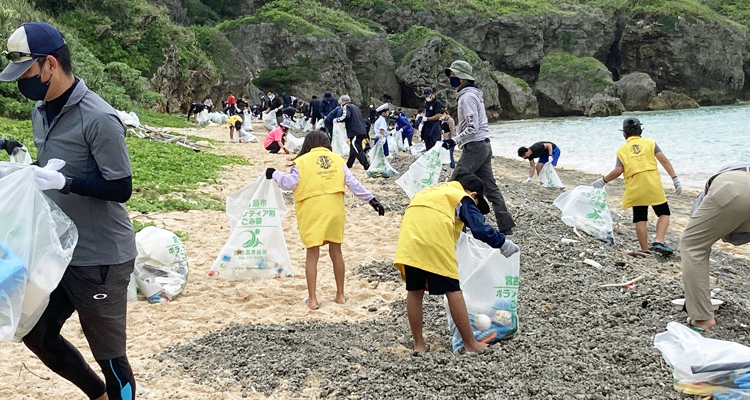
(642, 181)
(321, 171)
(430, 230)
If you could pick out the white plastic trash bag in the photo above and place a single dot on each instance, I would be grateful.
(321, 124)
(161, 267)
(307, 126)
(338, 140)
(21, 156)
(129, 118)
(418, 149)
(489, 283)
(269, 120)
(256, 246)
(688, 353)
(247, 121)
(399, 139)
(38, 233)
(293, 143)
(218, 118)
(392, 147)
(246, 137)
(585, 208)
(548, 177)
(202, 118)
(379, 165)
(422, 173)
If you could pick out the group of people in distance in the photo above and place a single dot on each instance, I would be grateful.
(72, 123)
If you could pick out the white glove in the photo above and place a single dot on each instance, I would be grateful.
(527, 180)
(509, 248)
(677, 186)
(48, 179)
(599, 183)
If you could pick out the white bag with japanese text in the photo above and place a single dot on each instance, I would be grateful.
(338, 140)
(585, 208)
(256, 247)
(161, 266)
(422, 173)
(548, 177)
(489, 283)
(42, 237)
(379, 165)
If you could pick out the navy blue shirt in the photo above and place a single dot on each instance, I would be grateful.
(471, 216)
(431, 108)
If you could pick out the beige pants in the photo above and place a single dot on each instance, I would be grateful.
(725, 209)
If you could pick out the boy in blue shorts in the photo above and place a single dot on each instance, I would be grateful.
(544, 151)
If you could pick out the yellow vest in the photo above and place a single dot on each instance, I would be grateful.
(430, 230)
(233, 119)
(642, 181)
(321, 171)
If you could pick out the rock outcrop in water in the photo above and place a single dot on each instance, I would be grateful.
(668, 100)
(516, 97)
(601, 105)
(634, 90)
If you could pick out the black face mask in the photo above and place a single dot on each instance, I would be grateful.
(33, 88)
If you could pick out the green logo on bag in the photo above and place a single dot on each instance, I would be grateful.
(428, 181)
(254, 241)
(594, 215)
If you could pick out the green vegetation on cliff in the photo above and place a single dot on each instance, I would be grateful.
(404, 45)
(282, 79)
(304, 17)
(489, 8)
(562, 66)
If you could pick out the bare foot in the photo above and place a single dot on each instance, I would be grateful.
(340, 299)
(478, 346)
(420, 349)
(312, 303)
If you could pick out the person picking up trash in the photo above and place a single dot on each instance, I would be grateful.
(9, 145)
(722, 211)
(275, 140)
(544, 151)
(235, 124)
(317, 180)
(426, 249)
(636, 160)
(381, 127)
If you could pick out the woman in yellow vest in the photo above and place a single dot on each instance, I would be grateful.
(426, 250)
(636, 160)
(318, 178)
(235, 124)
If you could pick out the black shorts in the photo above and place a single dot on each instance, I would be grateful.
(640, 213)
(273, 148)
(100, 295)
(419, 279)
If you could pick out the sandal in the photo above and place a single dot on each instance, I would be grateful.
(307, 300)
(690, 325)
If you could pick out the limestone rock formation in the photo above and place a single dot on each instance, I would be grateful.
(603, 106)
(635, 90)
(516, 97)
(567, 83)
(668, 100)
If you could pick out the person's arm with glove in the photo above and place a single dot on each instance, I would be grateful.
(355, 186)
(668, 167)
(617, 171)
(471, 216)
(92, 185)
(532, 169)
(9, 145)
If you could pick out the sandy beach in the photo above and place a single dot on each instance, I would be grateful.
(208, 304)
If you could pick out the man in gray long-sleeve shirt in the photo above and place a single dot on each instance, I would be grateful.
(474, 139)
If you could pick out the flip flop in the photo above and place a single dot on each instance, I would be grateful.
(346, 299)
(307, 301)
(690, 325)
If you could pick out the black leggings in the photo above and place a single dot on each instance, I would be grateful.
(640, 213)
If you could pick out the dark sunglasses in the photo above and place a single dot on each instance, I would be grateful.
(16, 56)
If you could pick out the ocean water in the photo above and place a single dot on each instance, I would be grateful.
(697, 142)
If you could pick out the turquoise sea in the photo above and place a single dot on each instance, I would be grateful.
(697, 142)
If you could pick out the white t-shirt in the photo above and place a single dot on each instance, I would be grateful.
(381, 123)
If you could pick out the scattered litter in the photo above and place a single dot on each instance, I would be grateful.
(624, 284)
(592, 263)
(568, 241)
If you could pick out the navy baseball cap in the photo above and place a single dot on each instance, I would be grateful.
(426, 91)
(28, 43)
(630, 124)
(472, 183)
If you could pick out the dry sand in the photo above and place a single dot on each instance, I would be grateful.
(210, 304)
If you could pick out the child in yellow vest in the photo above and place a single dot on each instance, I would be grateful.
(426, 250)
(317, 179)
(235, 124)
(636, 159)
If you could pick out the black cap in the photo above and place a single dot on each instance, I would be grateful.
(472, 183)
(328, 95)
(426, 91)
(630, 123)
